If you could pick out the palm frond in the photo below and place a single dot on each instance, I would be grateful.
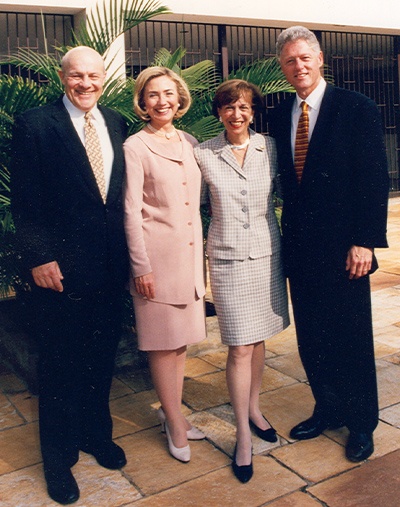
(107, 22)
(203, 129)
(45, 65)
(118, 95)
(266, 74)
(201, 77)
(17, 95)
(164, 58)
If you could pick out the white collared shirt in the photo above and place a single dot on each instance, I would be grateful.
(78, 120)
(314, 103)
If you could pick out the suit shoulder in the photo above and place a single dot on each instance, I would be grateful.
(37, 112)
(111, 112)
(269, 142)
(211, 144)
(191, 139)
(112, 115)
(351, 97)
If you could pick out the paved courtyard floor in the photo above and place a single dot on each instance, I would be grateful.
(311, 473)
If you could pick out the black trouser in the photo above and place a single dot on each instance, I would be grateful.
(334, 332)
(78, 337)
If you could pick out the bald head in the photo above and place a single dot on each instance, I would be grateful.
(78, 53)
(82, 74)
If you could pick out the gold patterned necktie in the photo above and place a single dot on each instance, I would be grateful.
(93, 150)
(301, 144)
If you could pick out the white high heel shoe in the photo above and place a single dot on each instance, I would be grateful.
(192, 434)
(179, 453)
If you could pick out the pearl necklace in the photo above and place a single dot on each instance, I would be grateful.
(239, 146)
(167, 135)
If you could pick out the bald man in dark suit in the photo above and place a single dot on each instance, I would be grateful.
(72, 246)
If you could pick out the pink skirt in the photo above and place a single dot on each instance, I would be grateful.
(161, 326)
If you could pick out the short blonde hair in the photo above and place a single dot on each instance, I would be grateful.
(150, 73)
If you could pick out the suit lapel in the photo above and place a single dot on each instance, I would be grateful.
(286, 154)
(254, 147)
(222, 149)
(75, 150)
(117, 172)
(320, 133)
(322, 125)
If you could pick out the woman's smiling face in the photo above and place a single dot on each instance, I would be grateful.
(161, 100)
(237, 116)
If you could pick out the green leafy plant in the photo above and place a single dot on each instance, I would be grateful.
(103, 26)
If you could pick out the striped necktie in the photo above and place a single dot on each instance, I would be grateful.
(301, 144)
(93, 150)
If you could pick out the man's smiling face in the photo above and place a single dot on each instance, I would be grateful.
(83, 78)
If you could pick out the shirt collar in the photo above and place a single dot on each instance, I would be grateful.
(75, 112)
(315, 98)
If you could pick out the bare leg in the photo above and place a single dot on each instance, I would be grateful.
(257, 370)
(181, 360)
(238, 376)
(166, 367)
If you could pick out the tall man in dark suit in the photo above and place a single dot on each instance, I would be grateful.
(72, 245)
(334, 215)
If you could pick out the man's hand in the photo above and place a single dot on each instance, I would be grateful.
(359, 261)
(48, 276)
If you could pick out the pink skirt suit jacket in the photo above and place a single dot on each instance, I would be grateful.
(164, 234)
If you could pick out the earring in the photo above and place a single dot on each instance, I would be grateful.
(251, 119)
(220, 119)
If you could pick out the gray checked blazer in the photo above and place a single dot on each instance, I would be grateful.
(243, 222)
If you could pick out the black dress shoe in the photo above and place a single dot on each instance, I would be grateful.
(108, 456)
(61, 486)
(244, 472)
(268, 435)
(312, 428)
(359, 446)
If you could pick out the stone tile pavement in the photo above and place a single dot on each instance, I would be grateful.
(287, 474)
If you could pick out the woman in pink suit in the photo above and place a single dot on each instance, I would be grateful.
(164, 233)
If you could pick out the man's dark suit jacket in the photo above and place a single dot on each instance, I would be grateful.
(60, 216)
(56, 204)
(341, 201)
(342, 198)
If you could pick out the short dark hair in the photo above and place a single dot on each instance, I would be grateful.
(231, 90)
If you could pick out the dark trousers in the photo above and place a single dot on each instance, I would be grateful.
(334, 332)
(77, 337)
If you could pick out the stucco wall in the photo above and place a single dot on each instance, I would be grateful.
(364, 15)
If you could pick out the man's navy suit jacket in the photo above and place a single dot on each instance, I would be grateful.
(57, 208)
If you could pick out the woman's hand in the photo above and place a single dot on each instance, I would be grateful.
(145, 286)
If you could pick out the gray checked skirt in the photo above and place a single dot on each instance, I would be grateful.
(250, 298)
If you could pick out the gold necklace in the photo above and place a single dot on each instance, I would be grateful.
(167, 135)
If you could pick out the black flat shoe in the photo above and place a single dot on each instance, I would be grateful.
(109, 456)
(359, 446)
(312, 428)
(268, 435)
(243, 473)
(61, 486)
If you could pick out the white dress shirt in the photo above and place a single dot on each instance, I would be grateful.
(314, 103)
(78, 120)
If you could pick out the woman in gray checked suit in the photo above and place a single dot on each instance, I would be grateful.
(243, 247)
